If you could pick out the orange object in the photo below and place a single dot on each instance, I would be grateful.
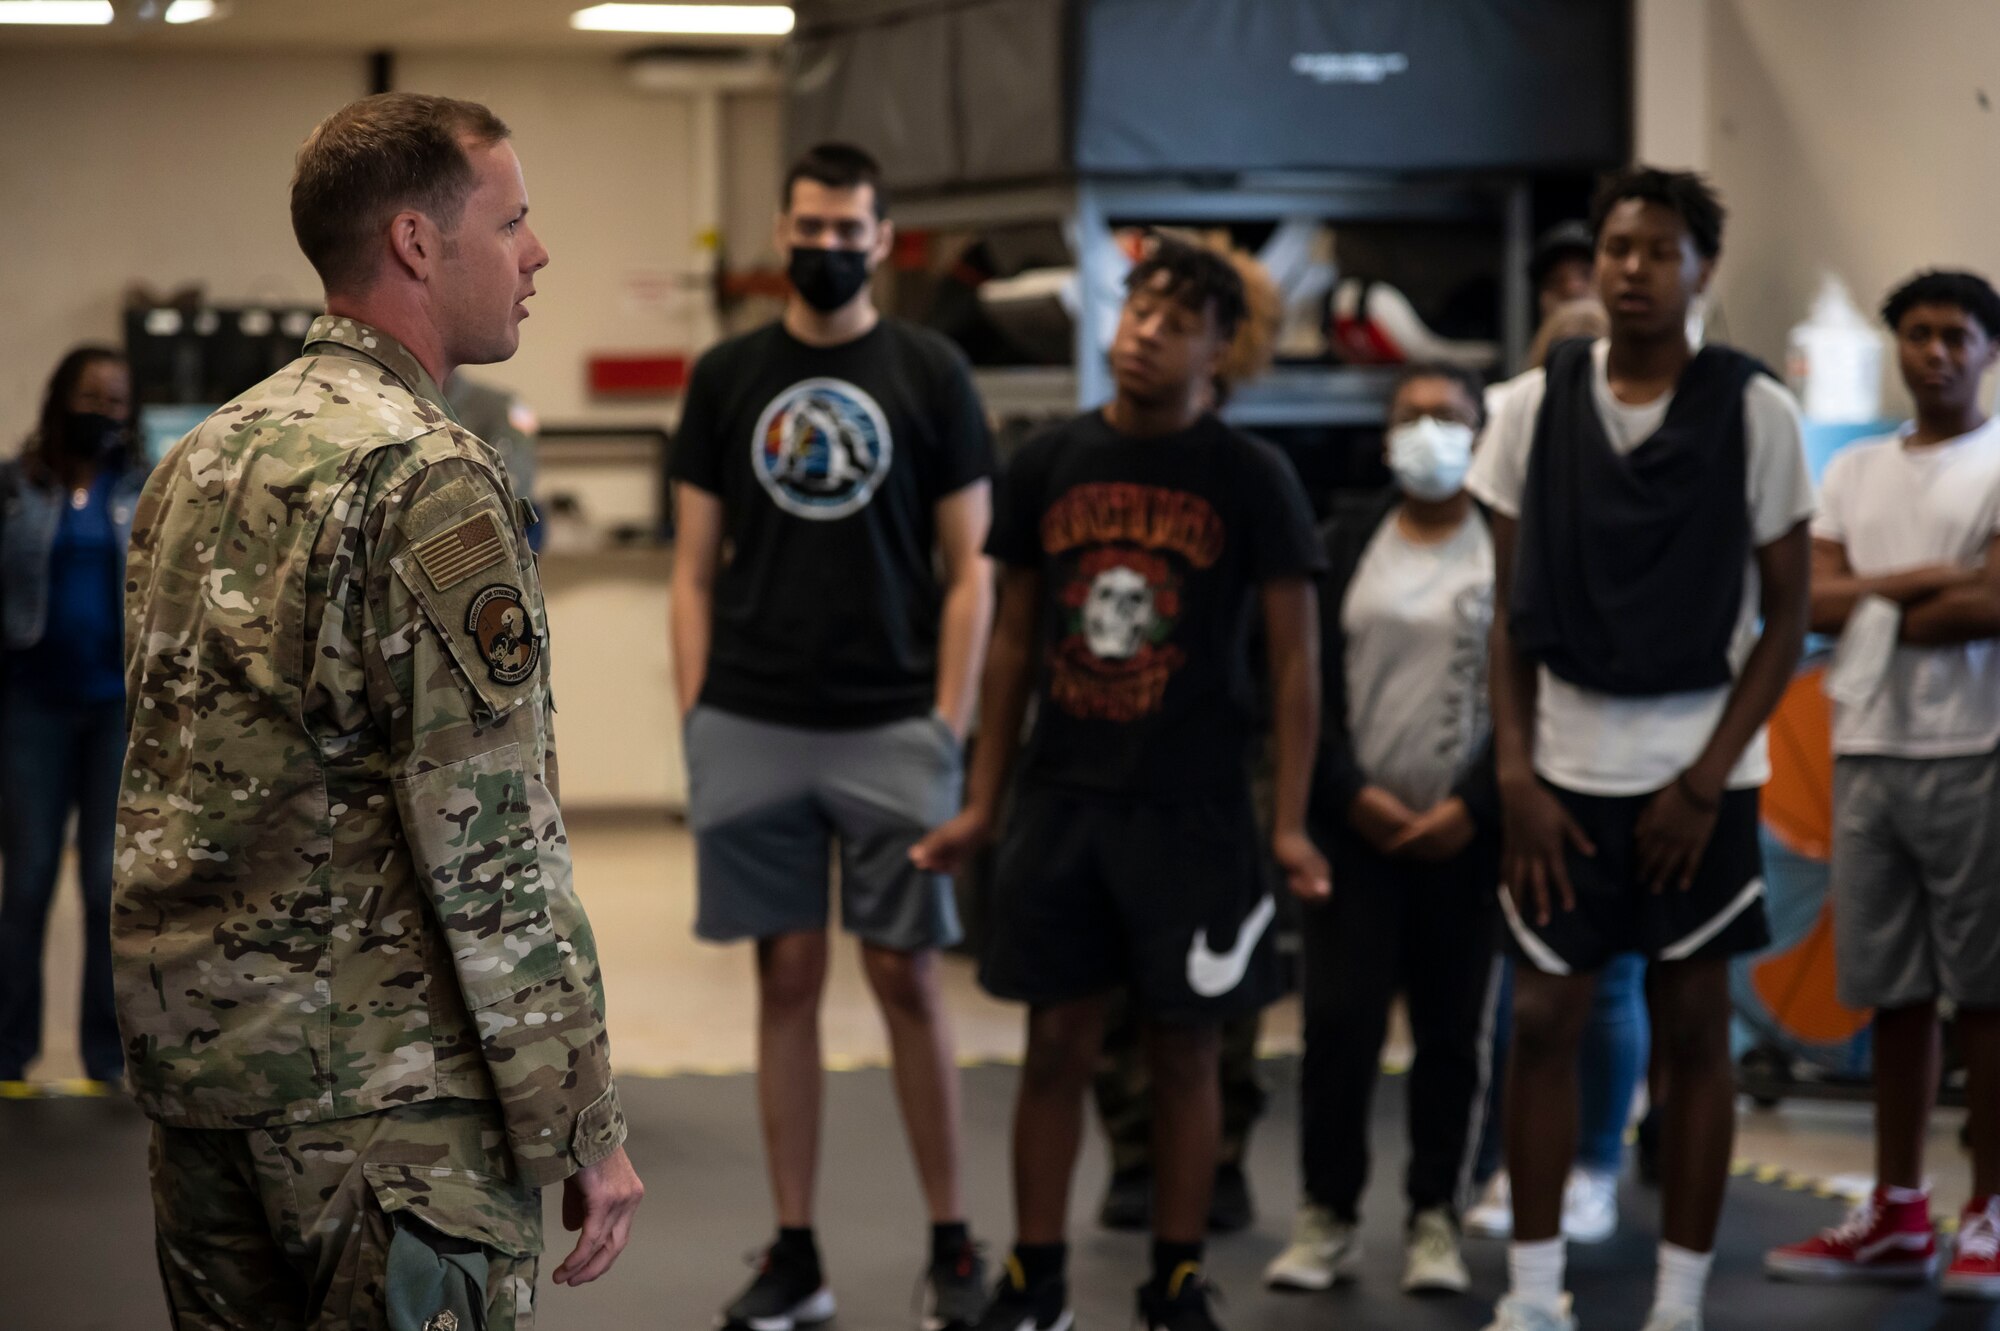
(1798, 803)
(1796, 983)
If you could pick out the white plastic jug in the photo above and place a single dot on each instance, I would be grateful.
(1834, 362)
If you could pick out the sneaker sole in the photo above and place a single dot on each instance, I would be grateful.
(1439, 1285)
(1590, 1238)
(815, 1310)
(1306, 1280)
(1829, 1271)
(1295, 1281)
(1954, 1286)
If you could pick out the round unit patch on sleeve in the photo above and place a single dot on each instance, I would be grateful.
(508, 643)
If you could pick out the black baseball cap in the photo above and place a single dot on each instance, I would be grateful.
(1559, 242)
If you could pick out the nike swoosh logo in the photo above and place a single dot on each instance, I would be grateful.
(1212, 974)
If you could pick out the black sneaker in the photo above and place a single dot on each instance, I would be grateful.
(1229, 1207)
(782, 1297)
(1015, 1307)
(1181, 1306)
(954, 1294)
(1128, 1200)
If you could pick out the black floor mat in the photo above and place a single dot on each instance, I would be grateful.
(76, 1242)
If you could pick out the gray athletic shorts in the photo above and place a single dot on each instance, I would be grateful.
(1916, 880)
(769, 803)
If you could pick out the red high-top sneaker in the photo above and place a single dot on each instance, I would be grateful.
(1879, 1240)
(1974, 1272)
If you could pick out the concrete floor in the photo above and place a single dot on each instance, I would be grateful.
(77, 1225)
(678, 1005)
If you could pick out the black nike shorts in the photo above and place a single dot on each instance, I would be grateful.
(1171, 900)
(1721, 915)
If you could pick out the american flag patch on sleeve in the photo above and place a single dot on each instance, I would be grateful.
(456, 553)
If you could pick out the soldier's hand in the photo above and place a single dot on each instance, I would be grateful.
(599, 1200)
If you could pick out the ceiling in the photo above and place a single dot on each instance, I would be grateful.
(364, 25)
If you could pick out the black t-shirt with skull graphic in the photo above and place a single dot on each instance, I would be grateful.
(829, 462)
(1152, 553)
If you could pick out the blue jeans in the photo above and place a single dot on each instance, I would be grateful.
(1615, 1045)
(55, 758)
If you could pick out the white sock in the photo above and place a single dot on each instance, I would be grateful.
(1535, 1271)
(1683, 1279)
(1905, 1196)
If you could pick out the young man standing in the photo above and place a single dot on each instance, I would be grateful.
(1650, 504)
(1136, 543)
(1906, 553)
(826, 670)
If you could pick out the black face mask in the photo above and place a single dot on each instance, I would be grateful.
(89, 437)
(827, 279)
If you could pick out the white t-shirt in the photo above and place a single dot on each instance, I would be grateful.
(1894, 507)
(1594, 743)
(1416, 619)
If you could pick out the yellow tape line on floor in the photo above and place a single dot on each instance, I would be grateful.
(1792, 1180)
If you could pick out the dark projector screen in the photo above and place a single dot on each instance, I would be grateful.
(969, 93)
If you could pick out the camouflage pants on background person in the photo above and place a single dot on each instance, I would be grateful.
(1125, 1096)
(411, 1219)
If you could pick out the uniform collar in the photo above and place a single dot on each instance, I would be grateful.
(376, 345)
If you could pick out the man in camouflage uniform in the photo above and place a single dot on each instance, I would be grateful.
(358, 993)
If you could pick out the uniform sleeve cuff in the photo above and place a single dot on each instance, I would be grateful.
(600, 1129)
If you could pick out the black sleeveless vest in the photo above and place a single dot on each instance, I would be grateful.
(1628, 575)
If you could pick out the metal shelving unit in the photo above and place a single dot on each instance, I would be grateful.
(1289, 395)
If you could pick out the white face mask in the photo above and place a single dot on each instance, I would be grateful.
(1430, 457)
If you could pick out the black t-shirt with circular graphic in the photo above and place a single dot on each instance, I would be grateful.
(1152, 553)
(829, 462)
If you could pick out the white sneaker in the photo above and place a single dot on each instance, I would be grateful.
(1323, 1252)
(1674, 1319)
(1431, 1263)
(1493, 1216)
(1512, 1314)
(1590, 1206)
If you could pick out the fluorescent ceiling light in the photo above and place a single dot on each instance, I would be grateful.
(702, 20)
(190, 11)
(67, 13)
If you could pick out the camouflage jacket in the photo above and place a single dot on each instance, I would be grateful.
(342, 877)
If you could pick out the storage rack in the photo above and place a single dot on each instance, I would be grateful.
(1288, 395)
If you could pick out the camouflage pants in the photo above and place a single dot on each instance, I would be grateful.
(406, 1220)
(1125, 1093)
